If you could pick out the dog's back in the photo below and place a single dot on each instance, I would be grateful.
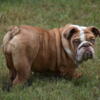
(27, 48)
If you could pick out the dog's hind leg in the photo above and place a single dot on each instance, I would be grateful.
(10, 66)
(22, 66)
(12, 71)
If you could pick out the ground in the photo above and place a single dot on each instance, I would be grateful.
(50, 14)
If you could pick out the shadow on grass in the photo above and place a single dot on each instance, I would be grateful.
(41, 79)
(83, 81)
(51, 77)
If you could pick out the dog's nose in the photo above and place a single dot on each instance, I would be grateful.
(86, 45)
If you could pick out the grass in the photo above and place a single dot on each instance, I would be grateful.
(50, 14)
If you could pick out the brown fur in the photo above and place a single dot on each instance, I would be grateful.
(28, 48)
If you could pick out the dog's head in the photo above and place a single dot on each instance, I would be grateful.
(79, 41)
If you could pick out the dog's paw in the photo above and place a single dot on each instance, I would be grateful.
(77, 75)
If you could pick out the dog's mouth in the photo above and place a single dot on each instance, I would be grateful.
(84, 53)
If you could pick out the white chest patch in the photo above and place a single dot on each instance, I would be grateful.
(68, 51)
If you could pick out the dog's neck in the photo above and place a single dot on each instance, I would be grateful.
(63, 57)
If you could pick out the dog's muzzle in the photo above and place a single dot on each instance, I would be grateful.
(85, 51)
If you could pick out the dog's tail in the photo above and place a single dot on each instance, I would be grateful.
(14, 30)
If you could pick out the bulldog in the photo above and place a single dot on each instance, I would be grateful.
(61, 50)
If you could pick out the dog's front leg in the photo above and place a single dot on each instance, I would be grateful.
(69, 72)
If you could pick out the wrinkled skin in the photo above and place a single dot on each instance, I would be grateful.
(83, 50)
(59, 50)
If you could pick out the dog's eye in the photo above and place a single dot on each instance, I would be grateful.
(77, 41)
(92, 40)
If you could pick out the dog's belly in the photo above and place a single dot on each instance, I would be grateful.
(42, 66)
(46, 60)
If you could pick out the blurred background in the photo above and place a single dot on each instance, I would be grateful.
(50, 14)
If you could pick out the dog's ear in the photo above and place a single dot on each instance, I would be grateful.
(68, 33)
(95, 31)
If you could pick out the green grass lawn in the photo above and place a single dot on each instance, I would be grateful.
(51, 14)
